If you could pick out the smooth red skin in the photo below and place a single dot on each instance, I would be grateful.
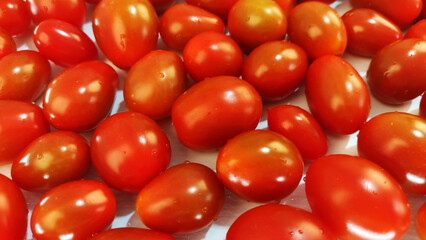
(162, 5)
(7, 44)
(421, 222)
(422, 107)
(70, 11)
(24, 75)
(324, 1)
(337, 95)
(418, 30)
(423, 12)
(182, 22)
(275, 69)
(255, 159)
(128, 150)
(191, 198)
(356, 198)
(15, 16)
(51, 160)
(215, 110)
(20, 124)
(13, 218)
(278, 222)
(369, 31)
(211, 54)
(301, 128)
(394, 76)
(308, 28)
(125, 35)
(219, 7)
(93, 1)
(286, 5)
(396, 141)
(81, 208)
(132, 234)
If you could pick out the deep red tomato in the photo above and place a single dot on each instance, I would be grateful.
(50, 160)
(182, 22)
(13, 210)
(218, 7)
(285, 5)
(324, 1)
(70, 11)
(215, 110)
(80, 97)
(125, 30)
(422, 107)
(301, 128)
(131, 234)
(24, 75)
(369, 31)
(162, 5)
(211, 54)
(74, 210)
(255, 159)
(15, 16)
(253, 22)
(418, 30)
(93, 1)
(275, 69)
(278, 222)
(356, 198)
(7, 44)
(423, 13)
(318, 29)
(191, 198)
(395, 74)
(337, 95)
(421, 222)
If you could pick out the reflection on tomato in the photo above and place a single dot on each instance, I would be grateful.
(7, 44)
(70, 11)
(162, 5)
(15, 16)
(418, 30)
(131, 234)
(421, 222)
(218, 7)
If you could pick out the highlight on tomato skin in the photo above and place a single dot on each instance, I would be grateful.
(16, 16)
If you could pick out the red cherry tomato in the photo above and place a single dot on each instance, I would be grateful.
(125, 30)
(162, 5)
(211, 54)
(418, 30)
(182, 22)
(191, 197)
(50, 160)
(421, 222)
(74, 210)
(7, 44)
(70, 11)
(275, 69)
(215, 110)
(337, 95)
(356, 198)
(285, 5)
(258, 158)
(93, 1)
(324, 1)
(15, 16)
(369, 31)
(318, 29)
(301, 128)
(422, 107)
(218, 7)
(24, 75)
(132, 234)
(278, 222)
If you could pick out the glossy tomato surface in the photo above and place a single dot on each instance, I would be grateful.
(421, 222)
(7, 44)
(418, 30)
(131, 234)
(218, 7)
(15, 16)
(285, 5)
(162, 5)
(70, 11)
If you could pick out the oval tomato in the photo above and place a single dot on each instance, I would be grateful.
(70, 11)
(15, 16)
(421, 222)
(218, 7)
(418, 30)
(162, 5)
(131, 234)
(7, 44)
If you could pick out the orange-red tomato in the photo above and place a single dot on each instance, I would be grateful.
(15, 16)
(421, 222)
(70, 11)
(418, 30)
(131, 234)
(7, 44)
(162, 5)
(218, 7)
(285, 5)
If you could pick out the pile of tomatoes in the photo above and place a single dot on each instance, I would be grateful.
(150, 108)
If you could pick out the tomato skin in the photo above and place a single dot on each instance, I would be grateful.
(339, 101)
(93, 1)
(418, 30)
(132, 234)
(191, 20)
(422, 107)
(421, 222)
(285, 5)
(162, 5)
(70, 11)
(324, 1)
(335, 184)
(7, 44)
(301, 128)
(15, 17)
(369, 31)
(136, 33)
(211, 54)
(76, 47)
(192, 197)
(205, 115)
(219, 7)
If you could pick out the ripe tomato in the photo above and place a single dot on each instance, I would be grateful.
(421, 222)
(324, 1)
(356, 198)
(50, 160)
(134, 34)
(76, 47)
(418, 30)
(15, 16)
(218, 7)
(131, 234)
(93, 1)
(7, 44)
(369, 31)
(211, 54)
(24, 75)
(191, 197)
(13, 210)
(70, 11)
(215, 110)
(74, 210)
(337, 95)
(301, 128)
(285, 5)
(422, 107)
(275, 69)
(162, 5)
(182, 22)
(318, 29)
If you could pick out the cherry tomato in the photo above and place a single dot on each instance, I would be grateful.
(131, 234)
(275, 69)
(418, 30)
(422, 107)
(211, 54)
(125, 30)
(278, 222)
(162, 5)
(285, 5)
(182, 22)
(7, 44)
(50, 160)
(218, 7)
(301, 128)
(337, 95)
(24, 75)
(15, 16)
(70, 11)
(215, 110)
(369, 31)
(190, 197)
(74, 210)
(253, 22)
(421, 222)
(318, 29)
(356, 198)
(324, 1)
